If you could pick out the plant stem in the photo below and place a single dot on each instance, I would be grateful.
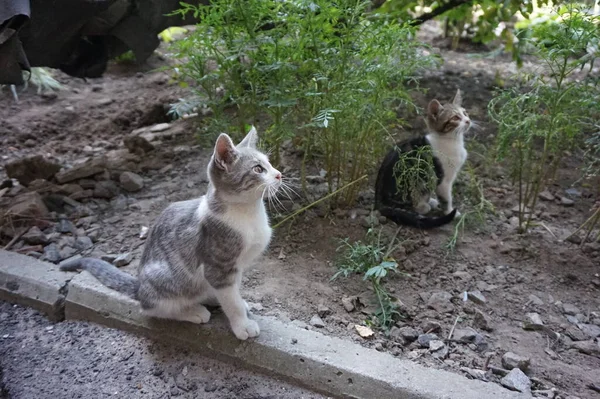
(319, 200)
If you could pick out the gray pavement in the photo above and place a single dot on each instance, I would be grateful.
(73, 359)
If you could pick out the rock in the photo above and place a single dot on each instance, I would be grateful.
(575, 334)
(106, 189)
(465, 335)
(566, 201)
(533, 321)
(323, 311)
(425, 339)
(409, 334)
(83, 243)
(570, 309)
(461, 274)
(440, 302)
(546, 195)
(82, 170)
(138, 144)
(51, 253)
(364, 331)
(430, 326)
(82, 195)
(438, 349)
(123, 259)
(26, 209)
(474, 373)
(109, 258)
(144, 232)
(316, 321)
(348, 303)
(482, 321)
(534, 300)
(516, 380)
(511, 360)
(104, 101)
(65, 226)
(161, 127)
(590, 330)
(26, 170)
(477, 297)
(131, 182)
(590, 347)
(67, 252)
(35, 237)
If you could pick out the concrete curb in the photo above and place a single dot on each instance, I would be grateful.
(313, 360)
(27, 281)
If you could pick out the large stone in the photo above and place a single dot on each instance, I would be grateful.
(27, 209)
(590, 330)
(131, 182)
(425, 339)
(440, 301)
(516, 380)
(30, 282)
(511, 360)
(82, 170)
(121, 160)
(35, 237)
(590, 347)
(28, 169)
(106, 189)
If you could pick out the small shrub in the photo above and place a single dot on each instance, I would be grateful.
(372, 260)
(323, 74)
(546, 117)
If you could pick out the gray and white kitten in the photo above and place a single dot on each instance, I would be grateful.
(197, 249)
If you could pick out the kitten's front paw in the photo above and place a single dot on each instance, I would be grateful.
(199, 315)
(458, 214)
(433, 203)
(245, 329)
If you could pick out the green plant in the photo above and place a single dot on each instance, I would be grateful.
(415, 173)
(547, 115)
(482, 21)
(373, 261)
(320, 73)
(475, 206)
(127, 57)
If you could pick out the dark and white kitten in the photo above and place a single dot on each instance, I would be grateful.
(446, 125)
(197, 249)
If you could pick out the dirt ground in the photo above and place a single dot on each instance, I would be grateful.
(43, 360)
(514, 275)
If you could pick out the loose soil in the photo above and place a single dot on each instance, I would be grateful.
(517, 274)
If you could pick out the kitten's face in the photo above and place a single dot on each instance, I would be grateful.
(449, 118)
(242, 173)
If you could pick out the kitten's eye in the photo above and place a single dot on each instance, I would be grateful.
(258, 169)
(456, 118)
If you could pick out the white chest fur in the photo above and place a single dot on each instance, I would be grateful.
(451, 152)
(253, 224)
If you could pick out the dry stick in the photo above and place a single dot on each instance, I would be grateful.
(15, 239)
(318, 201)
(595, 215)
(453, 327)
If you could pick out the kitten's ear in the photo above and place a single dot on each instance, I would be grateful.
(225, 152)
(434, 108)
(457, 98)
(250, 140)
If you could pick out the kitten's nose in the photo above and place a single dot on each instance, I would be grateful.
(278, 176)
(468, 121)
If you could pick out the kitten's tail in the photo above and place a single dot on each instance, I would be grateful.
(402, 216)
(106, 273)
